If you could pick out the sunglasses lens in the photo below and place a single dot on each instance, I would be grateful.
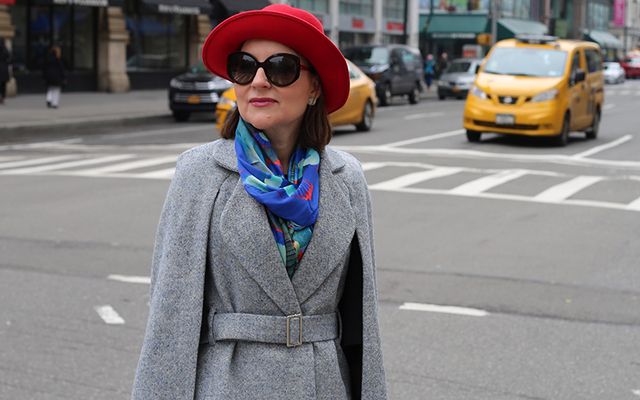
(241, 68)
(283, 69)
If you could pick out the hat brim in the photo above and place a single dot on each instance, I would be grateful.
(291, 31)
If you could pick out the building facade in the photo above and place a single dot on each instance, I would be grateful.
(625, 24)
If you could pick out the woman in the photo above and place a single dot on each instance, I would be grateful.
(5, 64)
(263, 282)
(54, 76)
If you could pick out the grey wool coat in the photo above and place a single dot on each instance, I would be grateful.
(215, 253)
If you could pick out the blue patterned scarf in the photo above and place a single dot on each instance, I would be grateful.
(291, 201)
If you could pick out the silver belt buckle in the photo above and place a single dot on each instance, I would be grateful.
(293, 318)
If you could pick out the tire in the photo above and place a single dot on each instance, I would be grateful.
(367, 118)
(385, 98)
(414, 96)
(441, 96)
(563, 137)
(592, 132)
(473, 136)
(181, 116)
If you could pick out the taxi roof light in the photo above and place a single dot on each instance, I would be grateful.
(536, 39)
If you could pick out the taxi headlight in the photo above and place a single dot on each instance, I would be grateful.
(545, 96)
(476, 91)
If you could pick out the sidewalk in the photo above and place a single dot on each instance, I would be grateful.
(30, 112)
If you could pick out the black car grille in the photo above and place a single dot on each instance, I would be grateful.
(523, 127)
(204, 98)
(194, 85)
(508, 99)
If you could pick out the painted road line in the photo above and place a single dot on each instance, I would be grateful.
(413, 178)
(109, 315)
(487, 182)
(154, 132)
(471, 312)
(37, 145)
(608, 106)
(160, 174)
(70, 164)
(411, 117)
(625, 92)
(36, 161)
(424, 138)
(567, 189)
(126, 166)
(634, 205)
(368, 166)
(604, 147)
(636, 392)
(513, 197)
(130, 279)
(11, 158)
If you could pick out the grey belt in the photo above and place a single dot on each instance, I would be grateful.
(292, 330)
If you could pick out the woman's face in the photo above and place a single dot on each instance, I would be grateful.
(269, 107)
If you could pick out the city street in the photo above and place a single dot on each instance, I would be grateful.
(506, 269)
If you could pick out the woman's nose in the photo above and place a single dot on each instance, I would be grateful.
(260, 80)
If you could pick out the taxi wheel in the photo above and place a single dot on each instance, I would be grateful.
(563, 137)
(367, 118)
(181, 116)
(473, 136)
(592, 132)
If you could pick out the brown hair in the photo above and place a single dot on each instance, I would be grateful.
(315, 131)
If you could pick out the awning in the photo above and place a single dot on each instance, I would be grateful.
(236, 6)
(604, 39)
(187, 7)
(7, 2)
(85, 3)
(510, 27)
(456, 26)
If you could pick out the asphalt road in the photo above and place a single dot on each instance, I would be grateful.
(507, 269)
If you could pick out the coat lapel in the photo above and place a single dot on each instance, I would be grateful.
(332, 232)
(246, 231)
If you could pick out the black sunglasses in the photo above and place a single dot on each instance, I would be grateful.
(281, 69)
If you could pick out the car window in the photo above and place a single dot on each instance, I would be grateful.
(368, 55)
(408, 58)
(575, 65)
(594, 61)
(353, 73)
(526, 62)
(459, 66)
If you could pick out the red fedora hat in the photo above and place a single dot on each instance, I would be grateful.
(293, 27)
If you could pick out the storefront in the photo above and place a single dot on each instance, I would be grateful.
(160, 39)
(449, 33)
(611, 46)
(70, 24)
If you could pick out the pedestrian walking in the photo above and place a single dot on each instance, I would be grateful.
(429, 70)
(263, 283)
(5, 67)
(54, 76)
(443, 63)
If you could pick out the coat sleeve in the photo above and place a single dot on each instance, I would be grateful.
(167, 364)
(359, 304)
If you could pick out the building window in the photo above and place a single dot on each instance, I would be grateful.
(393, 9)
(598, 16)
(321, 6)
(363, 8)
(156, 41)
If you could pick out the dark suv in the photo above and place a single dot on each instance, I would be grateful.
(396, 69)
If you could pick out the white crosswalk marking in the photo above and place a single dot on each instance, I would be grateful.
(487, 182)
(70, 164)
(161, 174)
(634, 205)
(368, 166)
(625, 92)
(43, 160)
(413, 178)
(130, 165)
(567, 189)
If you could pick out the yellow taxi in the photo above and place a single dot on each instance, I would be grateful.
(359, 109)
(537, 86)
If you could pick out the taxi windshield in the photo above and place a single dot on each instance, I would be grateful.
(526, 62)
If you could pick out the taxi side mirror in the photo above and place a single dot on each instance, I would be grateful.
(477, 69)
(580, 76)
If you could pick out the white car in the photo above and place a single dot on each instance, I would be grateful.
(613, 72)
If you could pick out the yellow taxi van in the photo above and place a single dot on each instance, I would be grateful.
(537, 85)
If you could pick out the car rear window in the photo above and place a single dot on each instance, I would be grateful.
(368, 55)
(459, 66)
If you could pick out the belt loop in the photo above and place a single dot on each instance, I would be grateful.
(210, 334)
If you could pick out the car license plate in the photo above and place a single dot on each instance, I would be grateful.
(505, 119)
(193, 99)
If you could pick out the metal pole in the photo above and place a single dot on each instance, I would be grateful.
(405, 36)
(494, 21)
